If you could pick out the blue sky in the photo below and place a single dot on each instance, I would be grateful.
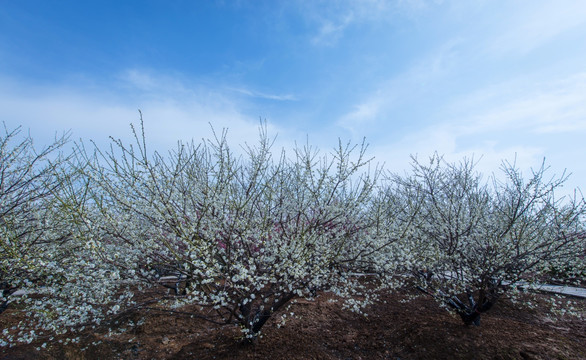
(496, 79)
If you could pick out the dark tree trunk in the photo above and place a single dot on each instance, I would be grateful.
(255, 321)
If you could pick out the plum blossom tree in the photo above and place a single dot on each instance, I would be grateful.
(480, 238)
(244, 234)
(47, 249)
(26, 187)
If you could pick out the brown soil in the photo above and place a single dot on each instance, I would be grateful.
(417, 329)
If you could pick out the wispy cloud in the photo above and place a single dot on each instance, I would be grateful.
(379, 105)
(332, 19)
(534, 24)
(469, 97)
(520, 119)
(261, 95)
(172, 111)
(331, 30)
(548, 107)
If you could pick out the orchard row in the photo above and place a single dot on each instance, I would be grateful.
(244, 234)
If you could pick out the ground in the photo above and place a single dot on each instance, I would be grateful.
(394, 329)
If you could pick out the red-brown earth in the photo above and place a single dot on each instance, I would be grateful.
(393, 329)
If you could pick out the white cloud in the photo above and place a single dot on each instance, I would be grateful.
(443, 139)
(172, 111)
(460, 102)
(376, 108)
(519, 119)
(333, 18)
(139, 80)
(331, 30)
(535, 107)
(262, 95)
(533, 24)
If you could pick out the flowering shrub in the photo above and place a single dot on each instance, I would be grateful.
(46, 253)
(243, 235)
(26, 187)
(480, 238)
